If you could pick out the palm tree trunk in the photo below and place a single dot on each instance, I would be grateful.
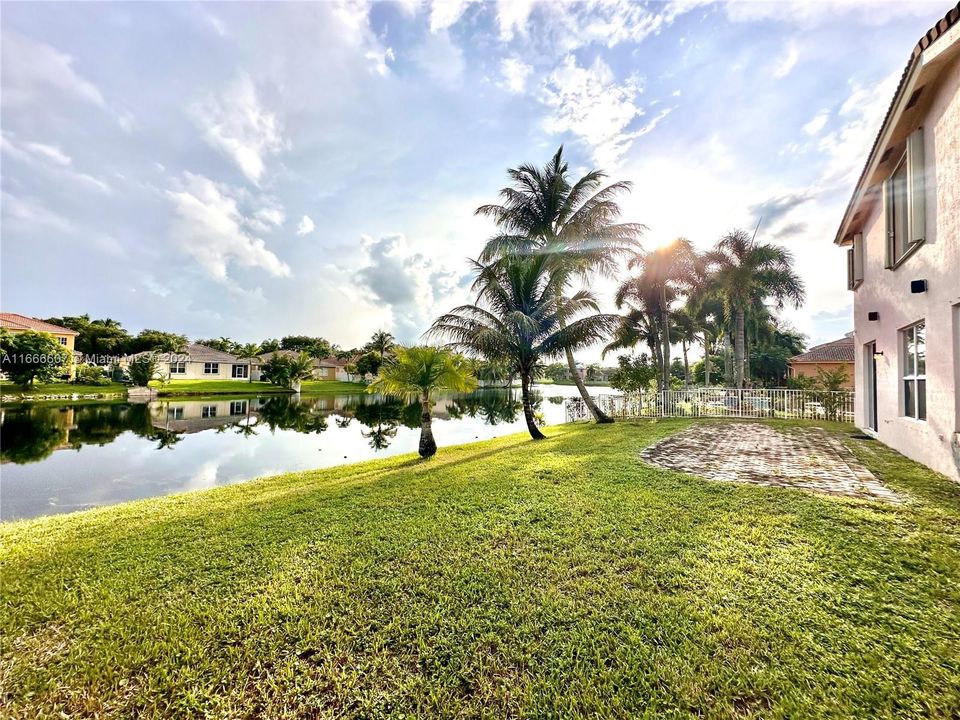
(706, 359)
(250, 370)
(428, 446)
(599, 415)
(665, 314)
(686, 365)
(528, 407)
(727, 360)
(738, 344)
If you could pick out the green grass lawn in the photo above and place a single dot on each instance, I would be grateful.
(237, 387)
(9, 388)
(507, 578)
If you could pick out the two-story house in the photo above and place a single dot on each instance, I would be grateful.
(16, 323)
(902, 231)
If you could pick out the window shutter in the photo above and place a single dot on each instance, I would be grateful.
(857, 259)
(915, 191)
(850, 269)
(888, 217)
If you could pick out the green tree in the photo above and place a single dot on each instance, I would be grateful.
(223, 344)
(156, 341)
(29, 356)
(269, 345)
(315, 347)
(415, 374)
(665, 274)
(381, 343)
(521, 317)
(143, 368)
(545, 211)
(100, 338)
(634, 374)
(368, 364)
(248, 352)
(746, 271)
(288, 372)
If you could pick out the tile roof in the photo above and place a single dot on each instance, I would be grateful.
(938, 30)
(194, 352)
(836, 351)
(14, 321)
(325, 362)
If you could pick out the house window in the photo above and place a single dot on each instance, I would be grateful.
(63, 340)
(914, 348)
(238, 407)
(175, 413)
(904, 201)
(211, 368)
(208, 411)
(178, 368)
(240, 371)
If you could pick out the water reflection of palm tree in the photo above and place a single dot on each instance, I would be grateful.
(343, 422)
(494, 407)
(166, 439)
(381, 435)
(288, 413)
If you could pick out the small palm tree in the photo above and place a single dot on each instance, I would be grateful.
(746, 272)
(521, 317)
(248, 352)
(415, 374)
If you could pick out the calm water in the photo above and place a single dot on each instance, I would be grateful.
(60, 458)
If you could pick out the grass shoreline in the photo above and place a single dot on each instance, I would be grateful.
(58, 392)
(501, 578)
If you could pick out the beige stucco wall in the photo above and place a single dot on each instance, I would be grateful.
(810, 370)
(195, 372)
(934, 442)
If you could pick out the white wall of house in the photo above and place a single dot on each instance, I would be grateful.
(195, 370)
(934, 441)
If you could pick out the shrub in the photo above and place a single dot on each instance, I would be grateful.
(143, 369)
(91, 375)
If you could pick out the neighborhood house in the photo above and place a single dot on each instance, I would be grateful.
(902, 231)
(14, 323)
(835, 355)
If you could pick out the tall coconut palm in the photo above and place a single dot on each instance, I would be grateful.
(636, 326)
(685, 330)
(381, 343)
(248, 352)
(545, 211)
(665, 273)
(746, 270)
(522, 316)
(415, 374)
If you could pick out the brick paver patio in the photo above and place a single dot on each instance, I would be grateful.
(807, 458)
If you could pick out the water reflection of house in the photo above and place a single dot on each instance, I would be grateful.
(191, 416)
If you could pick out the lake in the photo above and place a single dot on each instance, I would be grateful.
(58, 458)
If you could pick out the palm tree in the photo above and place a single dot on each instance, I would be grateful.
(544, 211)
(746, 271)
(522, 317)
(248, 352)
(415, 374)
(382, 342)
(685, 329)
(665, 273)
(636, 326)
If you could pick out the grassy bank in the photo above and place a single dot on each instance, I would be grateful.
(237, 387)
(501, 579)
(9, 388)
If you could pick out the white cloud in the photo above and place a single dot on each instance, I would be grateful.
(790, 56)
(817, 123)
(32, 214)
(306, 226)
(32, 69)
(440, 59)
(512, 16)
(379, 57)
(209, 226)
(407, 284)
(515, 73)
(238, 125)
(591, 105)
(444, 13)
(50, 159)
(868, 12)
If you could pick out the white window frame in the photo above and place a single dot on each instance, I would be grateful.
(905, 210)
(208, 411)
(62, 340)
(911, 373)
(238, 407)
(211, 368)
(178, 368)
(244, 371)
(175, 413)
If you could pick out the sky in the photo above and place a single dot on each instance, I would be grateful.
(258, 170)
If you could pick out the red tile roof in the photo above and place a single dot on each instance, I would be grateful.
(938, 30)
(838, 351)
(14, 321)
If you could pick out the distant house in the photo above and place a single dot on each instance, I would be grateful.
(834, 355)
(902, 228)
(15, 323)
(323, 369)
(199, 362)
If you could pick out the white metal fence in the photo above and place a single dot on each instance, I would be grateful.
(722, 402)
